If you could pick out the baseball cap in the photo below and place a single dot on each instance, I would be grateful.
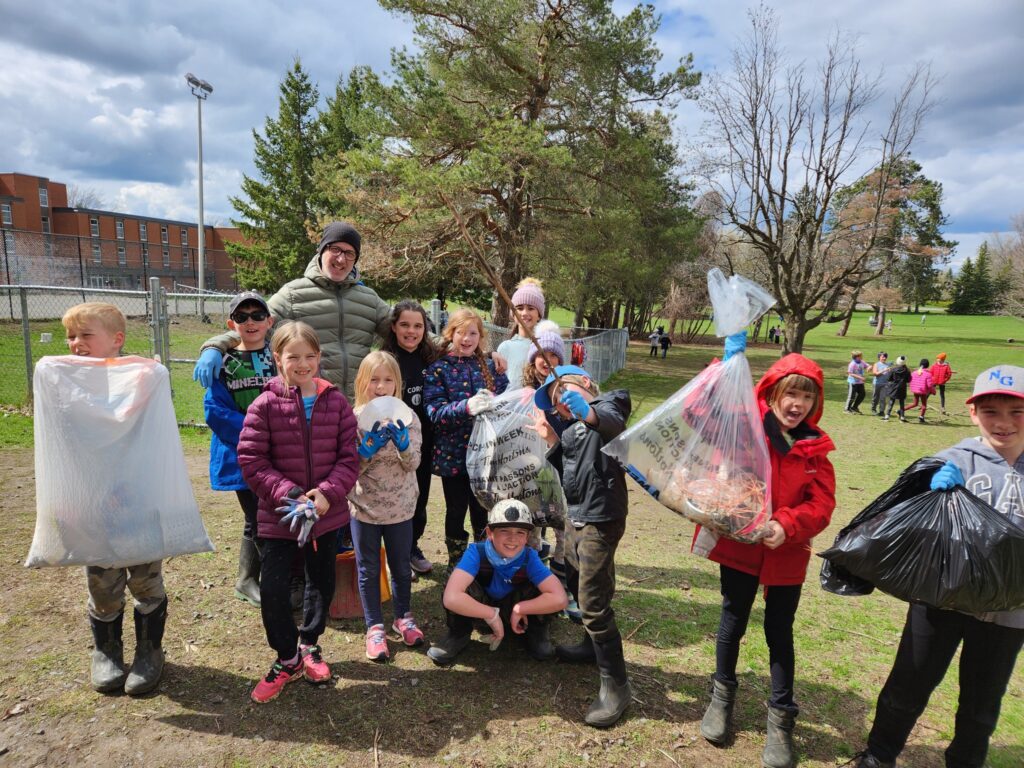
(510, 513)
(1000, 380)
(245, 296)
(541, 398)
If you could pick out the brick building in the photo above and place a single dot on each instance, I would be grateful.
(45, 242)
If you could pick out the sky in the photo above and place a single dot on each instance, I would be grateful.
(97, 97)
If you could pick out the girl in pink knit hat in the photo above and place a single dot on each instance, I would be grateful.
(528, 300)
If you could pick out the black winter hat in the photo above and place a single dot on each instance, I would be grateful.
(339, 232)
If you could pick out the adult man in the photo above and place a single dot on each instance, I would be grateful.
(346, 314)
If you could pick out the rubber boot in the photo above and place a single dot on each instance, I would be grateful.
(446, 650)
(538, 639)
(456, 549)
(615, 694)
(581, 653)
(247, 586)
(148, 665)
(867, 760)
(778, 747)
(108, 672)
(717, 723)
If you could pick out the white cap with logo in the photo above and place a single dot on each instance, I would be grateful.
(1000, 380)
(510, 513)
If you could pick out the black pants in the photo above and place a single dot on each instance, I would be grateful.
(250, 503)
(423, 476)
(458, 496)
(275, 579)
(855, 396)
(780, 603)
(930, 639)
(590, 574)
(942, 396)
(891, 400)
(460, 625)
(654, 351)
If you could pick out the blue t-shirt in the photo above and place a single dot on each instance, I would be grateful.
(501, 583)
(307, 403)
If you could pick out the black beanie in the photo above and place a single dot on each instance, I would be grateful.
(339, 232)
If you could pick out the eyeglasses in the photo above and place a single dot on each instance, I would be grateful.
(337, 250)
(257, 315)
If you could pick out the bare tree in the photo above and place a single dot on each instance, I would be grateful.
(1007, 255)
(85, 197)
(784, 145)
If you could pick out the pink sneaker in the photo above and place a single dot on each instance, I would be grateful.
(377, 644)
(270, 687)
(406, 627)
(313, 665)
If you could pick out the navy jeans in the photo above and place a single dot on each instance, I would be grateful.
(366, 539)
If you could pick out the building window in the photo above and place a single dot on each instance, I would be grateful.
(5, 214)
(122, 256)
(167, 258)
(97, 254)
(143, 232)
(44, 198)
(186, 259)
(163, 234)
(119, 224)
(46, 225)
(94, 226)
(145, 255)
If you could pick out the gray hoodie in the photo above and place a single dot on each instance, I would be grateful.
(994, 481)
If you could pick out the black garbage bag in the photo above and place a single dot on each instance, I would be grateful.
(946, 549)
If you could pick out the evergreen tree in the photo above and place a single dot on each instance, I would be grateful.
(275, 209)
(963, 298)
(984, 293)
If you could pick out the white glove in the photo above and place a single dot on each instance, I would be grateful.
(497, 630)
(480, 402)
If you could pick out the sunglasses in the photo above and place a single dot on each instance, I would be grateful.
(257, 315)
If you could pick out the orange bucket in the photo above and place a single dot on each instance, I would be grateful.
(346, 603)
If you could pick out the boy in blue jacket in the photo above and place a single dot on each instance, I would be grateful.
(246, 368)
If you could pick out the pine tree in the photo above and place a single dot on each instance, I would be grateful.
(984, 294)
(275, 213)
(962, 301)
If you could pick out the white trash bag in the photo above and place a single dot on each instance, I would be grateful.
(111, 485)
(702, 453)
(506, 459)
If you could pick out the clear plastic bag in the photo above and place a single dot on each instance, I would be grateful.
(702, 453)
(112, 489)
(506, 459)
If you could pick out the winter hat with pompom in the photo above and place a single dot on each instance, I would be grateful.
(550, 340)
(529, 292)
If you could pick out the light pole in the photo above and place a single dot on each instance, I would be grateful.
(200, 89)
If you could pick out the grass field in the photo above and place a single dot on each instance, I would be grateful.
(495, 709)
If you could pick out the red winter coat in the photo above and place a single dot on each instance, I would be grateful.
(941, 373)
(803, 488)
(279, 450)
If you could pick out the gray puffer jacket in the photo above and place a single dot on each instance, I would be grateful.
(346, 316)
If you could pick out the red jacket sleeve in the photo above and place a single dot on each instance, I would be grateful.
(254, 455)
(807, 519)
(342, 477)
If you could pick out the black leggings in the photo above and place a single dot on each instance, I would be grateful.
(780, 604)
(423, 476)
(457, 497)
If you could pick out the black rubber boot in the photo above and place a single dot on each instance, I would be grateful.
(581, 653)
(456, 549)
(108, 672)
(538, 639)
(778, 747)
(446, 650)
(615, 694)
(247, 586)
(867, 760)
(148, 665)
(717, 723)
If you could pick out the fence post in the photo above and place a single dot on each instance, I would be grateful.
(26, 335)
(154, 317)
(165, 328)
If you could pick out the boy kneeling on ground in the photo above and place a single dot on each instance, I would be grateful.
(502, 582)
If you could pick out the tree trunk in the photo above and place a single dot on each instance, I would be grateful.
(753, 336)
(880, 325)
(793, 335)
(616, 314)
(672, 327)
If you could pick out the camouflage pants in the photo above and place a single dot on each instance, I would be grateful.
(535, 540)
(590, 573)
(106, 589)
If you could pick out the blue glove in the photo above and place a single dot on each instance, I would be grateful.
(948, 477)
(373, 441)
(208, 367)
(298, 516)
(736, 342)
(399, 435)
(576, 404)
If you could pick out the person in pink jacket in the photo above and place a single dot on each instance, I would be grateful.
(297, 451)
(922, 386)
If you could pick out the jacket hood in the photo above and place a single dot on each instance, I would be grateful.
(792, 363)
(315, 274)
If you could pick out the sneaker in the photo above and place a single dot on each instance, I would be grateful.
(269, 688)
(545, 550)
(885, 417)
(857, 411)
(903, 419)
(572, 611)
(920, 419)
(419, 563)
(314, 667)
(377, 644)
(406, 627)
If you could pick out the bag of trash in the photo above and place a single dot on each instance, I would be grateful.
(946, 549)
(112, 489)
(703, 453)
(506, 459)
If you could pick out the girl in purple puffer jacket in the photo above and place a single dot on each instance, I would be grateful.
(298, 442)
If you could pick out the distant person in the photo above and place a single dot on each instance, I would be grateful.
(888, 325)
(896, 389)
(655, 339)
(880, 372)
(666, 342)
(922, 386)
(923, 318)
(855, 381)
(941, 374)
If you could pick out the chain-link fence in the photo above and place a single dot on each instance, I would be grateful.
(174, 326)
